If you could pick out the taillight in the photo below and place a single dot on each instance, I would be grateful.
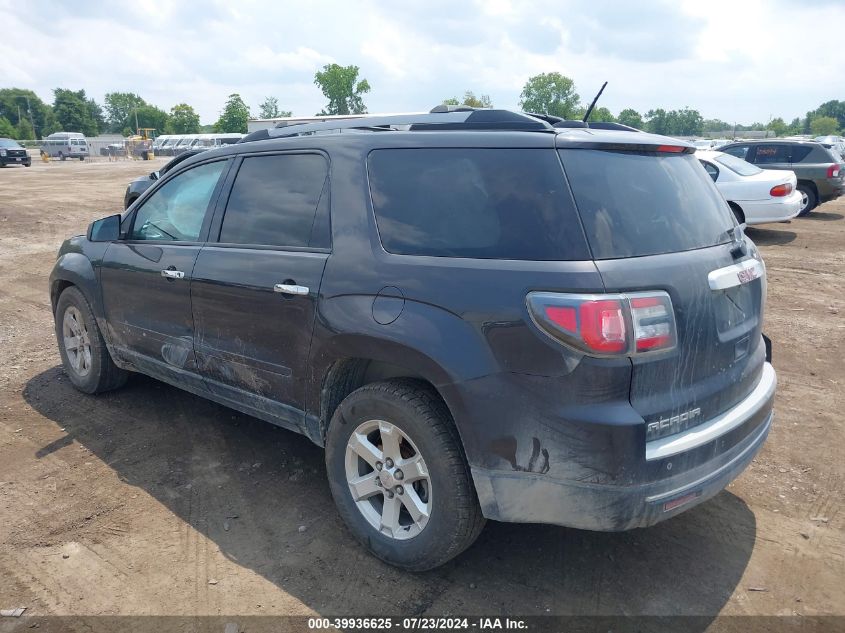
(653, 321)
(833, 171)
(607, 325)
(781, 190)
(671, 149)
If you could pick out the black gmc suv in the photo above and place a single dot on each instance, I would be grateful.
(479, 314)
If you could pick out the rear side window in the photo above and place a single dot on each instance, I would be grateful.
(740, 151)
(772, 154)
(635, 204)
(476, 203)
(274, 200)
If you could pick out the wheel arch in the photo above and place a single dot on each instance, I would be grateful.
(75, 269)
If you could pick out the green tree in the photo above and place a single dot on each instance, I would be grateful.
(630, 117)
(658, 121)
(269, 109)
(30, 107)
(96, 113)
(183, 120)
(778, 127)
(341, 87)
(713, 127)
(73, 112)
(550, 93)
(234, 116)
(687, 122)
(24, 131)
(795, 127)
(824, 126)
(120, 106)
(149, 116)
(835, 109)
(602, 114)
(7, 130)
(470, 100)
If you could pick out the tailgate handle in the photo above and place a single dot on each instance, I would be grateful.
(736, 274)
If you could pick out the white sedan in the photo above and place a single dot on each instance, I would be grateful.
(757, 196)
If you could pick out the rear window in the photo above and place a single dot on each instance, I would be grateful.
(476, 203)
(635, 204)
(737, 165)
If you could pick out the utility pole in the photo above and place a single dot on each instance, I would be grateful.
(31, 122)
(136, 120)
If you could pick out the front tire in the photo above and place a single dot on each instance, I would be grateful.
(809, 200)
(62, 156)
(399, 477)
(86, 359)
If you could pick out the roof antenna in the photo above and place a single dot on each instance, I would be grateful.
(593, 104)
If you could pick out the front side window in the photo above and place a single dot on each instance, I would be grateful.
(475, 203)
(175, 211)
(274, 200)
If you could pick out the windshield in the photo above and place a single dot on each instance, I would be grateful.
(9, 143)
(635, 204)
(737, 165)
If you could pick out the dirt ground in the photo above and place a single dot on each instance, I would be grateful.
(149, 500)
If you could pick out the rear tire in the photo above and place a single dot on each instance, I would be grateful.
(61, 156)
(402, 424)
(809, 200)
(86, 359)
(81, 158)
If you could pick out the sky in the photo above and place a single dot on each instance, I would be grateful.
(736, 60)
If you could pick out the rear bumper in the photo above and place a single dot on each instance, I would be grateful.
(773, 210)
(524, 497)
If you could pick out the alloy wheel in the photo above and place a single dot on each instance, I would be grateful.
(77, 341)
(388, 479)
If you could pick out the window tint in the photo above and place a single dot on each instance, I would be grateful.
(772, 153)
(274, 199)
(740, 151)
(800, 152)
(177, 209)
(636, 204)
(481, 203)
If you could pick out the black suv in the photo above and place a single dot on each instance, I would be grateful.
(820, 171)
(479, 314)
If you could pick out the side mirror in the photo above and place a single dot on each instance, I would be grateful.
(105, 230)
(154, 175)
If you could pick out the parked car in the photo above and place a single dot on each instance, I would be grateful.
(821, 174)
(756, 196)
(11, 153)
(836, 143)
(142, 183)
(523, 324)
(64, 145)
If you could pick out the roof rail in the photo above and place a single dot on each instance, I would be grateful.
(447, 118)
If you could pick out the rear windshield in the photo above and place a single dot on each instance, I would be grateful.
(478, 203)
(737, 165)
(635, 204)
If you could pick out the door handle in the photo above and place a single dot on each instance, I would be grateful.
(291, 289)
(172, 274)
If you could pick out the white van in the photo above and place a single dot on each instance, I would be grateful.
(65, 145)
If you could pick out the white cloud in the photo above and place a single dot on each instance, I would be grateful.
(742, 61)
